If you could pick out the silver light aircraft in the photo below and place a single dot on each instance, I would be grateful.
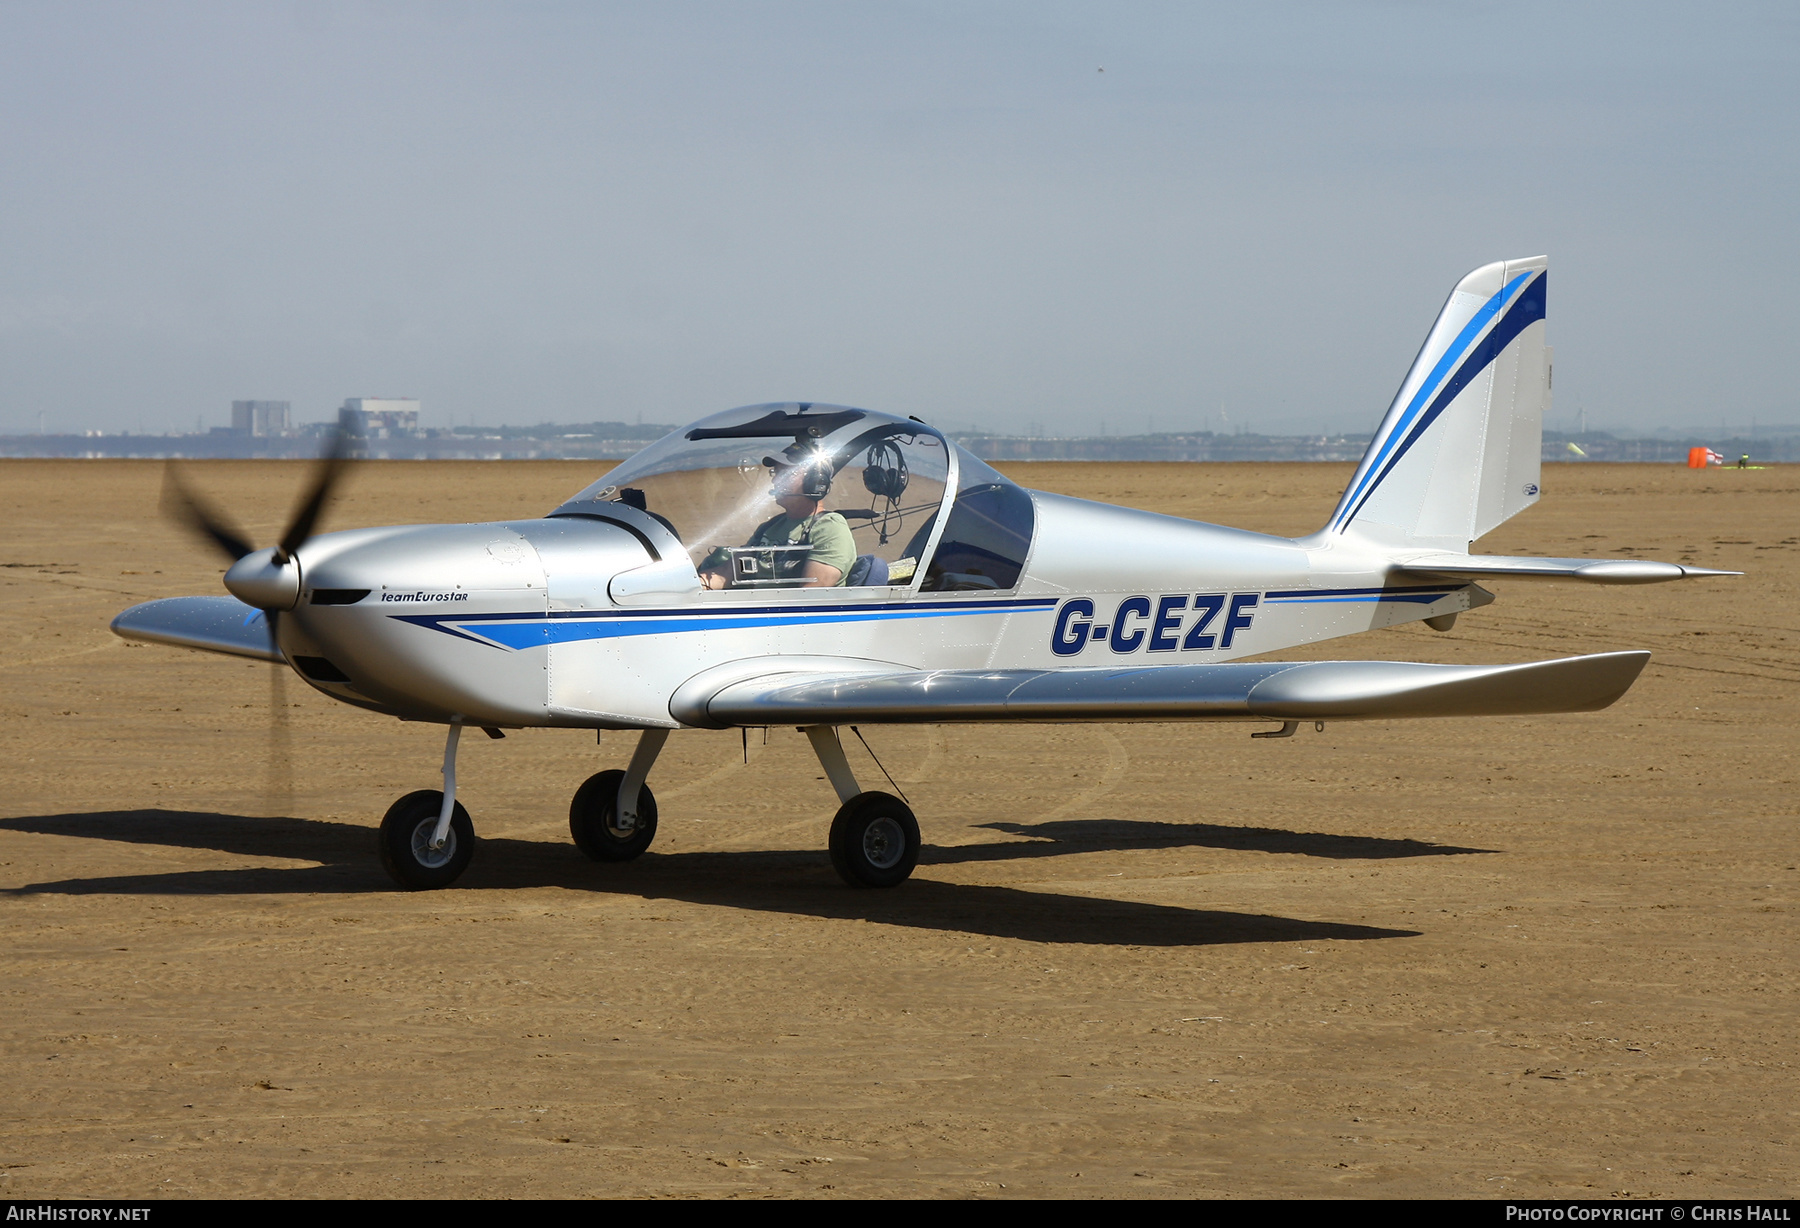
(904, 580)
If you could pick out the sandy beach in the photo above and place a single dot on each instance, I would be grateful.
(1521, 957)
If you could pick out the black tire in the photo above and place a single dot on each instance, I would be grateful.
(406, 832)
(592, 815)
(874, 841)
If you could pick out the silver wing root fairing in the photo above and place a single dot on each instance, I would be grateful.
(820, 565)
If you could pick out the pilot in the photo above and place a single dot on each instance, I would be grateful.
(799, 488)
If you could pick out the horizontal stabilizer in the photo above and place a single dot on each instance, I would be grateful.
(211, 624)
(1310, 690)
(1524, 567)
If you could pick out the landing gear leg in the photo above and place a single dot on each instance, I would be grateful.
(426, 839)
(874, 838)
(442, 831)
(613, 814)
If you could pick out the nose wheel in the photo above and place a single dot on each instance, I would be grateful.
(426, 839)
(407, 836)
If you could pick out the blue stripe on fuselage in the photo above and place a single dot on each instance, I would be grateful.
(521, 631)
(1320, 596)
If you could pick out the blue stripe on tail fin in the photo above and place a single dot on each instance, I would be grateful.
(1459, 449)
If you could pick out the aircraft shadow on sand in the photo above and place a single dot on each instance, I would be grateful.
(1066, 836)
(791, 882)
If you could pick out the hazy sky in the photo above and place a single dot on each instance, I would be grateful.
(528, 212)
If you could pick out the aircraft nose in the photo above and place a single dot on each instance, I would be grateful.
(420, 564)
(258, 580)
(382, 607)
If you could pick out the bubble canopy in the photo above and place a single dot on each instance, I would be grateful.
(881, 477)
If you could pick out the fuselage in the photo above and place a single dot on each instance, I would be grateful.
(588, 621)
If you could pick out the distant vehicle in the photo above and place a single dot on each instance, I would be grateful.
(905, 581)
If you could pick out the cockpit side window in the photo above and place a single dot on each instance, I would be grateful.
(988, 537)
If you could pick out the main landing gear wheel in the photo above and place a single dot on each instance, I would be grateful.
(874, 841)
(594, 819)
(405, 842)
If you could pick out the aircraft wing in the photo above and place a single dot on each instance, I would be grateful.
(1305, 690)
(212, 624)
(1525, 567)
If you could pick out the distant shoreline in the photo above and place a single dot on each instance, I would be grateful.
(516, 444)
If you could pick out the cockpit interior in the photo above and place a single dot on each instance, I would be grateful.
(715, 486)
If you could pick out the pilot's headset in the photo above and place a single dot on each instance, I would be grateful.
(809, 478)
(885, 477)
(884, 470)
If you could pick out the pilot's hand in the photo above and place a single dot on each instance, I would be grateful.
(715, 568)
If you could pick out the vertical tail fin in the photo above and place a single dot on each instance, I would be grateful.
(1460, 448)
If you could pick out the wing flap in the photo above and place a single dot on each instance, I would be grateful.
(211, 624)
(1524, 567)
(1310, 690)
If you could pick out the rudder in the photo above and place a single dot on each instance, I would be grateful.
(1459, 450)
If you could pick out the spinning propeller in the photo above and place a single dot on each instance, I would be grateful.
(268, 579)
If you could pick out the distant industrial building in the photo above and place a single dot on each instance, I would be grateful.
(381, 417)
(259, 417)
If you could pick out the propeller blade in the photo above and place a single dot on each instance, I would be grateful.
(278, 780)
(325, 477)
(182, 504)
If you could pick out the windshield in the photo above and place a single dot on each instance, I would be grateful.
(865, 484)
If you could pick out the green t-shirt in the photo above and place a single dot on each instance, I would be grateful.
(829, 537)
